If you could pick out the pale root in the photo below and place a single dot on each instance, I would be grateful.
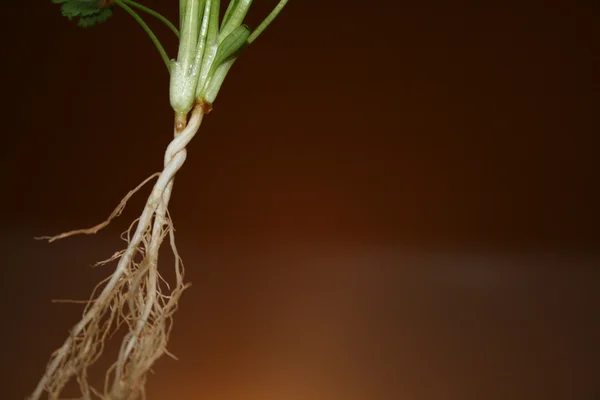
(132, 296)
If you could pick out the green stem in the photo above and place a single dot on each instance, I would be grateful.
(267, 21)
(154, 14)
(146, 28)
(182, 8)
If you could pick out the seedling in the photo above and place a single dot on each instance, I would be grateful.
(135, 296)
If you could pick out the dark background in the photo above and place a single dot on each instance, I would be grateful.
(388, 201)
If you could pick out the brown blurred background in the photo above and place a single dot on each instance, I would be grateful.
(388, 201)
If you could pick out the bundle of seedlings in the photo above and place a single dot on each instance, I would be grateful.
(135, 298)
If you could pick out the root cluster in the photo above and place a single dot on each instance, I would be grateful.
(134, 297)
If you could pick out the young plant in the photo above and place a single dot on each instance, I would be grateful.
(134, 296)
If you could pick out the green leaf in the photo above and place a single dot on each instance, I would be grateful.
(88, 12)
(232, 45)
(230, 7)
(234, 16)
(227, 53)
(216, 82)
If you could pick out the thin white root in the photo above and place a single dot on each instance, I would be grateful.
(131, 296)
(94, 229)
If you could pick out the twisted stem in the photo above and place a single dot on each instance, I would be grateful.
(58, 370)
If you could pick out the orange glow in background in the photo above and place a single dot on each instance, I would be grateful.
(387, 202)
